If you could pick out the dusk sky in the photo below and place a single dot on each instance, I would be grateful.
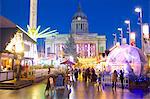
(104, 16)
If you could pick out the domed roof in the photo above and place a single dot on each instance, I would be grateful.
(79, 13)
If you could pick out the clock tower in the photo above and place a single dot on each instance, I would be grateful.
(79, 23)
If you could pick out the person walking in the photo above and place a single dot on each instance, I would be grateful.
(89, 74)
(49, 70)
(47, 88)
(121, 78)
(93, 76)
(76, 74)
(114, 79)
(86, 75)
(99, 80)
(50, 86)
(83, 74)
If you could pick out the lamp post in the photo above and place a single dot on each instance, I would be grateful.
(145, 28)
(139, 11)
(115, 38)
(146, 32)
(129, 29)
(132, 38)
(121, 34)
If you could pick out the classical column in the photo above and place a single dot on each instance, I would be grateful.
(45, 50)
(77, 48)
(96, 48)
(89, 50)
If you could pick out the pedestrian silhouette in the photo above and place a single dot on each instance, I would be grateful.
(121, 78)
(114, 79)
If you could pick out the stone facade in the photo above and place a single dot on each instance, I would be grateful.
(87, 44)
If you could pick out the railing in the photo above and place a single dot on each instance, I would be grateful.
(106, 79)
(40, 72)
(6, 75)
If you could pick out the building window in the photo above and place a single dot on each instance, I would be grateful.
(77, 26)
(101, 49)
(48, 50)
(81, 26)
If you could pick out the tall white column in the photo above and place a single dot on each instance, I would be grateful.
(45, 50)
(33, 14)
(77, 46)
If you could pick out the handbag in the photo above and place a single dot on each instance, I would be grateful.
(46, 92)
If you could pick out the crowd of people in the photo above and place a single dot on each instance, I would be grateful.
(91, 75)
(88, 75)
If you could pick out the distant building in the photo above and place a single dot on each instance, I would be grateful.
(87, 44)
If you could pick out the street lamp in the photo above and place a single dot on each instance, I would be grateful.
(115, 38)
(139, 10)
(132, 38)
(121, 34)
(145, 28)
(129, 29)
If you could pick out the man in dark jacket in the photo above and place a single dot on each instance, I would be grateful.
(121, 78)
(76, 74)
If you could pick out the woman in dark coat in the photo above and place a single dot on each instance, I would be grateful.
(114, 79)
(48, 86)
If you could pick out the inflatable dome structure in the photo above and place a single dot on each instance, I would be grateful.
(128, 58)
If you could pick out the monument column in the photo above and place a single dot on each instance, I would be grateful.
(33, 14)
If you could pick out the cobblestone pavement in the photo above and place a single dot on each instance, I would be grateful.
(79, 90)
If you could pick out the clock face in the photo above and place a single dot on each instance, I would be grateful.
(79, 18)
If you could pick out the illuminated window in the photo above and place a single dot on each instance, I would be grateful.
(101, 49)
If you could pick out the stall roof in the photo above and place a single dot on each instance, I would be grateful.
(7, 31)
(5, 23)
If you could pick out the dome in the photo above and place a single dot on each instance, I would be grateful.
(127, 58)
(79, 13)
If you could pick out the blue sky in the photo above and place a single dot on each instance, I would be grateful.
(104, 16)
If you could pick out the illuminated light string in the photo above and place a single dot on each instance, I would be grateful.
(16, 44)
(35, 34)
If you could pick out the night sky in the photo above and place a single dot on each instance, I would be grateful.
(104, 16)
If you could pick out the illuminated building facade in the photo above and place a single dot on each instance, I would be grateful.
(87, 44)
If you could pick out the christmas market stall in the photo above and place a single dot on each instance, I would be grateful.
(15, 47)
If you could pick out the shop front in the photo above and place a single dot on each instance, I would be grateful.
(6, 66)
(15, 46)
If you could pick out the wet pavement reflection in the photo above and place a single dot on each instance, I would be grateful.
(79, 90)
